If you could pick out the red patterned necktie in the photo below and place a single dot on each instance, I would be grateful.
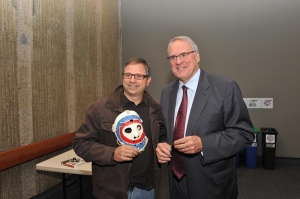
(177, 158)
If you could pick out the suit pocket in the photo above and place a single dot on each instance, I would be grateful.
(224, 175)
(211, 117)
(210, 123)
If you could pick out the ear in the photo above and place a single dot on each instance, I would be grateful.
(148, 81)
(198, 57)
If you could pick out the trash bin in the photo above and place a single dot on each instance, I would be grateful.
(251, 152)
(269, 138)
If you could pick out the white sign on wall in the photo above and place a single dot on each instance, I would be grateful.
(259, 102)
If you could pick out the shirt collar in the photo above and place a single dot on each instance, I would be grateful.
(193, 82)
(125, 100)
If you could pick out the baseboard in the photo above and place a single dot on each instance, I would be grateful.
(277, 159)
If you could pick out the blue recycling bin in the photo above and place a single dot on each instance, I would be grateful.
(251, 152)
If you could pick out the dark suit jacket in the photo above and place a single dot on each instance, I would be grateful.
(220, 118)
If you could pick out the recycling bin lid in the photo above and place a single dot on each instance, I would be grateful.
(268, 130)
(255, 130)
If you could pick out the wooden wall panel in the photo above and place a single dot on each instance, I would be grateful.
(56, 58)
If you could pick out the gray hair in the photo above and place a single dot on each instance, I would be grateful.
(183, 38)
(139, 61)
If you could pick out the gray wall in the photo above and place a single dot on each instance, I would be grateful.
(256, 42)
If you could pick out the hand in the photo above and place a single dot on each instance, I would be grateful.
(125, 153)
(163, 152)
(189, 144)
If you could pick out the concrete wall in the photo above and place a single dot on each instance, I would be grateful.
(56, 58)
(255, 42)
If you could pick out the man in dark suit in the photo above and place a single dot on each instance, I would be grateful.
(215, 126)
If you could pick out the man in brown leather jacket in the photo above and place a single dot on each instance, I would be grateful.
(122, 171)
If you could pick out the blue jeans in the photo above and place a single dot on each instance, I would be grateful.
(137, 193)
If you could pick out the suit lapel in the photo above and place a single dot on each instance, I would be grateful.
(201, 96)
(171, 112)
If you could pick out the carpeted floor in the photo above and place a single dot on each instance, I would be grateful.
(73, 191)
(281, 183)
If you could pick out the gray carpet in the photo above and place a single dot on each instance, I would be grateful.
(281, 183)
(73, 191)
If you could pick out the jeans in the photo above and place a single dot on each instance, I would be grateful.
(137, 193)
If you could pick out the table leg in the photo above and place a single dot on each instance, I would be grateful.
(64, 186)
(80, 187)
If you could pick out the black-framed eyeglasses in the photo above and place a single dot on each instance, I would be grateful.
(181, 56)
(136, 76)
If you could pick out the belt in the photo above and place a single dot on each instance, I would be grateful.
(131, 187)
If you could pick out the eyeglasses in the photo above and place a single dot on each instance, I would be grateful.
(136, 76)
(181, 56)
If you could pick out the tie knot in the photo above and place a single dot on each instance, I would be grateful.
(184, 88)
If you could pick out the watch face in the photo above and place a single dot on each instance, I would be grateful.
(270, 138)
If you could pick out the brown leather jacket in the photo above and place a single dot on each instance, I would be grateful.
(95, 142)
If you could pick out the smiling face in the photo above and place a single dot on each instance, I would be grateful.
(183, 68)
(134, 88)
